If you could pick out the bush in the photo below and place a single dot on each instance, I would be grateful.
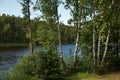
(85, 64)
(45, 66)
(24, 70)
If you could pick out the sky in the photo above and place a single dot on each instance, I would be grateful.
(12, 7)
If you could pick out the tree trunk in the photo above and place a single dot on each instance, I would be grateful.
(30, 33)
(78, 24)
(60, 43)
(94, 51)
(31, 42)
(59, 34)
(98, 51)
(94, 46)
(117, 49)
(76, 50)
(106, 47)
(77, 42)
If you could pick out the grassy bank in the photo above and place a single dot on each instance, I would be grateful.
(12, 45)
(86, 76)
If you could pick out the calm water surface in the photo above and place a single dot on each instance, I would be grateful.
(8, 58)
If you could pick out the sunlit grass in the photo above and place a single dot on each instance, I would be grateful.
(87, 76)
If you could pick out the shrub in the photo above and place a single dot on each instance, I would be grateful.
(85, 64)
(23, 70)
(45, 66)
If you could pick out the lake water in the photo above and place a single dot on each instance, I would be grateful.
(8, 58)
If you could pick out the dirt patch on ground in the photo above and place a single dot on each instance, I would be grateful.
(110, 76)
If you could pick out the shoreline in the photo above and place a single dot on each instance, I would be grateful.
(7, 46)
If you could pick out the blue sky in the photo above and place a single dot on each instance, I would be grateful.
(12, 7)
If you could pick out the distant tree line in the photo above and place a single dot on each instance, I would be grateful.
(15, 30)
(12, 29)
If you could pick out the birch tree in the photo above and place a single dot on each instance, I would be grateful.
(26, 12)
(76, 10)
(49, 11)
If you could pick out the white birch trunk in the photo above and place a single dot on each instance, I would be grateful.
(106, 47)
(77, 43)
(98, 51)
(60, 42)
(94, 51)
(76, 49)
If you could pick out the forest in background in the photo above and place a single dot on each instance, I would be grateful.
(14, 30)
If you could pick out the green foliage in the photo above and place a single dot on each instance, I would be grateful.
(26, 5)
(105, 18)
(15, 30)
(49, 66)
(45, 66)
(45, 35)
(23, 70)
(85, 76)
(49, 10)
(20, 77)
(12, 30)
(85, 64)
(86, 44)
